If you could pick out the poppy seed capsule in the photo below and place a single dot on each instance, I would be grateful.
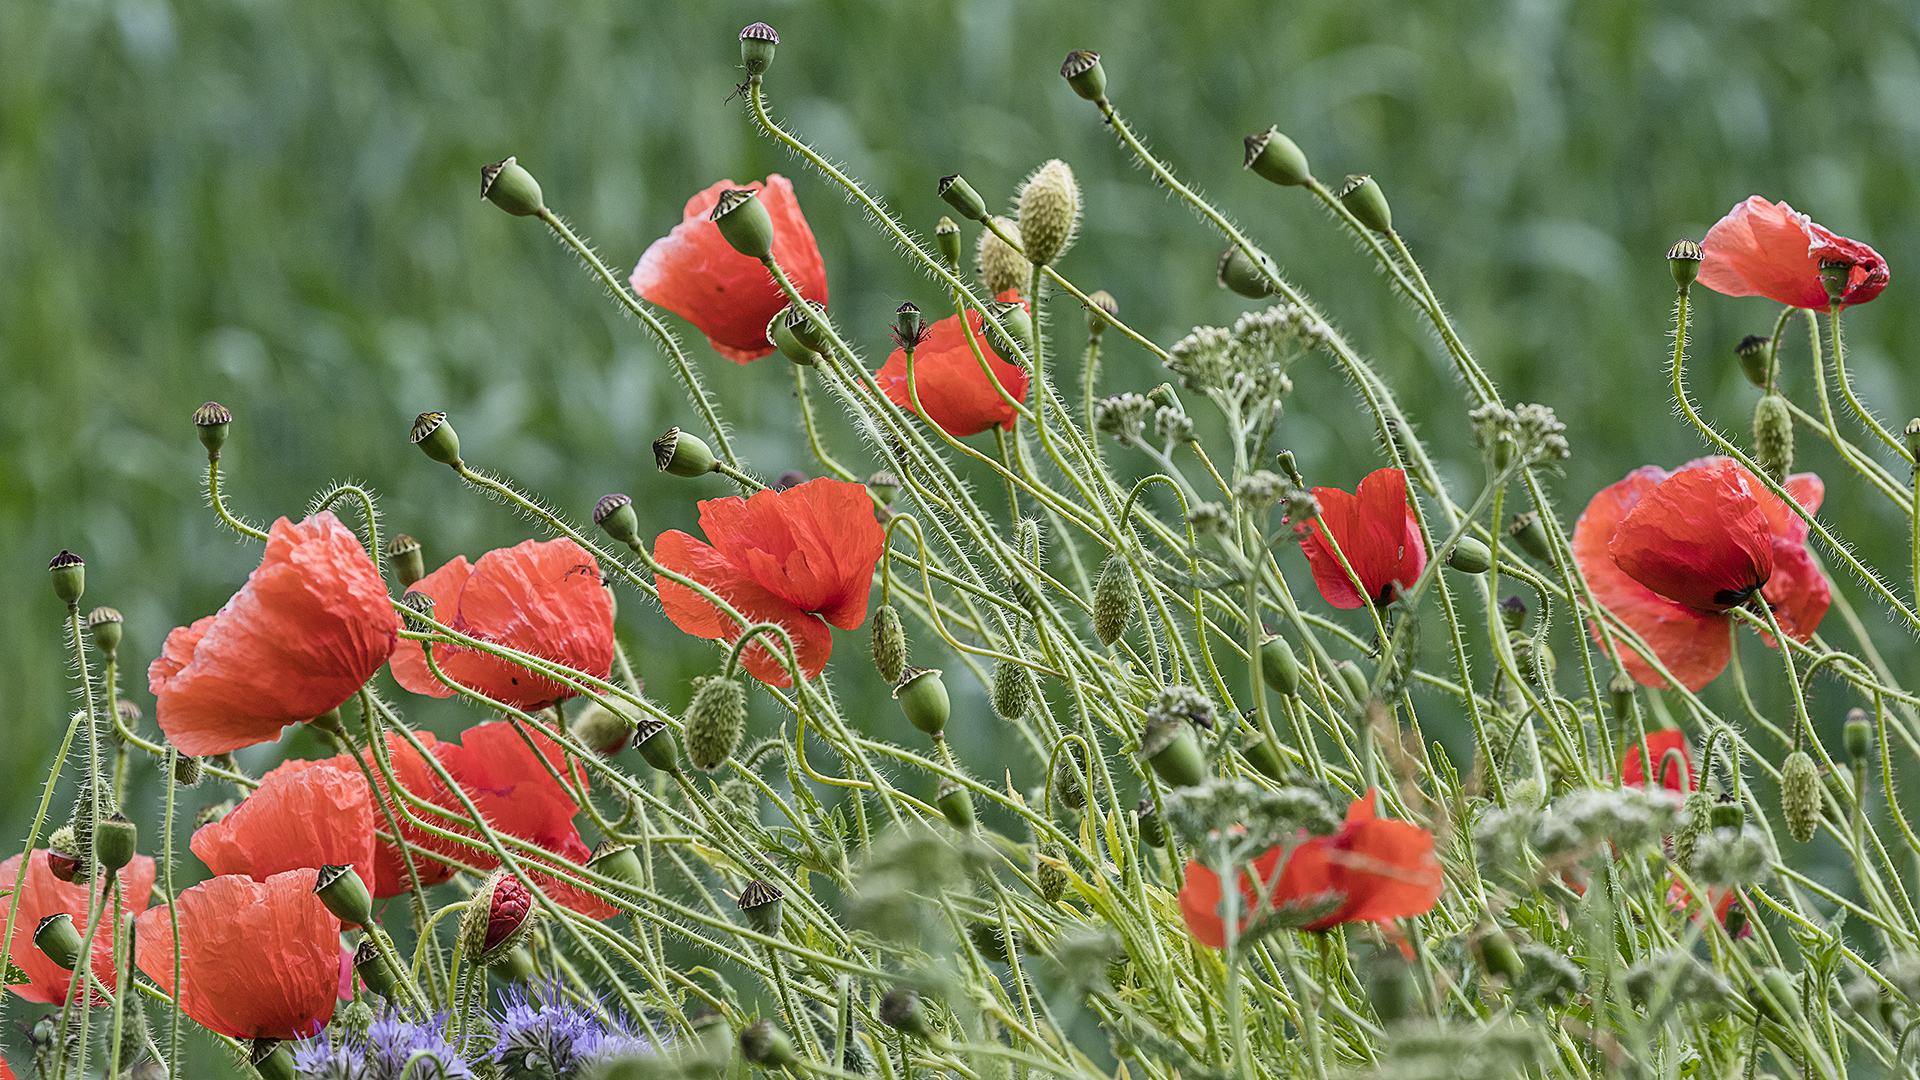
(1261, 754)
(602, 730)
(1859, 736)
(1146, 818)
(1276, 157)
(1012, 693)
(1752, 352)
(1470, 556)
(69, 576)
(1101, 309)
(409, 561)
(1083, 72)
(57, 937)
(716, 719)
(1169, 747)
(1800, 795)
(509, 186)
(956, 805)
(1049, 202)
(806, 326)
(345, 894)
(1527, 531)
(271, 1059)
(790, 346)
(884, 486)
(922, 695)
(436, 438)
(655, 742)
(1513, 614)
(617, 861)
(1355, 679)
(1244, 274)
(1683, 258)
(1913, 437)
(960, 195)
(900, 1009)
(683, 453)
(757, 44)
(1773, 437)
(1001, 266)
(744, 223)
(1367, 203)
(105, 625)
(765, 1045)
(946, 237)
(1834, 274)
(212, 420)
(909, 330)
(115, 840)
(614, 514)
(1114, 597)
(1278, 667)
(760, 903)
(373, 969)
(1390, 988)
(1727, 814)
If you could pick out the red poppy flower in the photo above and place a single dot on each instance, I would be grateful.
(1722, 900)
(41, 895)
(1375, 530)
(694, 273)
(306, 631)
(802, 558)
(543, 598)
(953, 390)
(1674, 775)
(1378, 870)
(258, 959)
(304, 814)
(390, 877)
(1769, 249)
(1668, 553)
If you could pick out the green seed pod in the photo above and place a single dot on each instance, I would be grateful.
(409, 563)
(436, 439)
(271, 1059)
(922, 695)
(69, 576)
(765, 1045)
(1390, 988)
(1367, 203)
(760, 903)
(711, 1051)
(1002, 267)
(209, 815)
(1052, 879)
(1355, 679)
(1496, 954)
(889, 644)
(104, 624)
(1263, 756)
(1276, 157)
(654, 740)
(1049, 201)
(1527, 532)
(715, 721)
(901, 1010)
(757, 43)
(1278, 668)
(683, 453)
(1012, 691)
(1683, 258)
(744, 223)
(1083, 72)
(1146, 818)
(188, 771)
(1834, 274)
(345, 894)
(212, 420)
(909, 330)
(1169, 747)
(1913, 437)
(1752, 351)
(115, 840)
(617, 861)
(1246, 274)
(1800, 795)
(1470, 556)
(1699, 811)
(960, 195)
(802, 324)
(1727, 814)
(615, 515)
(1859, 736)
(1101, 309)
(512, 188)
(956, 805)
(946, 236)
(884, 486)
(1773, 437)
(1013, 321)
(1114, 598)
(59, 939)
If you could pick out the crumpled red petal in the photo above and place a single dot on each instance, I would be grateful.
(303, 814)
(955, 394)
(1771, 250)
(1377, 532)
(1698, 538)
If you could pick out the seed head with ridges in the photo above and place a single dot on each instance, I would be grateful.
(760, 903)
(212, 420)
(614, 513)
(1049, 202)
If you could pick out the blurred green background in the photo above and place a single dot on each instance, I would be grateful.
(273, 204)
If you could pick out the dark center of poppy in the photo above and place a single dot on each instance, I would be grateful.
(1735, 597)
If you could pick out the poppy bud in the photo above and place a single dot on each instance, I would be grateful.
(744, 223)
(328, 721)
(1012, 693)
(683, 453)
(760, 903)
(188, 771)
(655, 742)
(614, 513)
(435, 438)
(1101, 309)
(1278, 668)
(1527, 531)
(946, 236)
(115, 840)
(900, 1009)
(1083, 72)
(602, 730)
(1727, 814)
(271, 1059)
(992, 943)
(512, 188)
(1390, 988)
(1497, 956)
(1274, 156)
(1800, 795)
(806, 329)
(1699, 810)
(1367, 203)
(345, 894)
(69, 576)
(1834, 274)
(1859, 736)
(1355, 679)
(409, 564)
(715, 721)
(1049, 203)
(960, 195)
(1260, 753)
(1684, 259)
(1470, 556)
(1146, 818)
(764, 1044)
(956, 805)
(1114, 597)
(889, 643)
(1001, 265)
(212, 420)
(1169, 747)
(372, 967)
(1620, 698)
(757, 43)
(499, 917)
(1067, 783)
(57, 937)
(105, 624)
(1050, 877)
(1752, 352)
(1243, 273)
(1513, 614)
(1773, 437)
(909, 330)
(923, 697)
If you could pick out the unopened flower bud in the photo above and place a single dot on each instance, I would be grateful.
(1800, 795)
(1261, 754)
(614, 514)
(946, 236)
(372, 967)
(1114, 598)
(1752, 352)
(409, 562)
(1355, 679)
(1859, 736)
(760, 903)
(1275, 157)
(57, 937)
(744, 223)
(909, 328)
(341, 889)
(1278, 668)
(762, 1043)
(1067, 784)
(995, 943)
(1169, 747)
(1367, 203)
(1773, 437)
(1699, 811)
(1051, 877)
(212, 420)
(1001, 265)
(956, 805)
(499, 917)
(1497, 956)
(960, 195)
(1527, 532)
(889, 643)
(1049, 202)
(602, 730)
(1101, 309)
(1248, 275)
(1083, 72)
(923, 697)
(900, 1009)
(115, 840)
(1012, 693)
(654, 739)
(715, 721)
(757, 43)
(1470, 556)
(1684, 260)
(1774, 996)
(435, 438)
(105, 624)
(69, 576)
(1727, 814)
(1146, 818)
(683, 453)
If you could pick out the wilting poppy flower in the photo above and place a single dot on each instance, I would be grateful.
(1771, 250)
(309, 628)
(41, 895)
(541, 597)
(1674, 775)
(1372, 870)
(956, 394)
(304, 814)
(1375, 530)
(694, 273)
(258, 959)
(802, 558)
(1669, 553)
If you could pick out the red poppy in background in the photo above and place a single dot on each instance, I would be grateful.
(258, 959)
(1771, 250)
(541, 597)
(956, 394)
(41, 895)
(1721, 898)
(1375, 530)
(802, 558)
(306, 631)
(1674, 775)
(1378, 870)
(694, 273)
(304, 814)
(1669, 553)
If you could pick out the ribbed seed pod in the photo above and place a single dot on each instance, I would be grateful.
(1012, 690)
(715, 721)
(1773, 437)
(1001, 267)
(1114, 596)
(1052, 879)
(1049, 211)
(1800, 795)
(889, 644)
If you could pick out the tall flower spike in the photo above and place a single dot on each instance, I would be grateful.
(1772, 250)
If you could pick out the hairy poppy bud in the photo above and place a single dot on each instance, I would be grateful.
(1752, 352)
(1698, 810)
(1859, 736)
(1800, 795)
(1049, 202)
(69, 576)
(1497, 956)
(1773, 437)
(1114, 597)
(372, 967)
(1083, 72)
(512, 188)
(1367, 203)
(1683, 258)
(923, 697)
(1727, 814)
(57, 937)
(889, 643)
(994, 943)
(1012, 693)
(744, 223)
(271, 1059)
(188, 771)
(1002, 267)
(614, 514)
(1246, 274)
(1278, 668)
(1048, 875)
(1527, 532)
(762, 1043)
(1275, 157)
(1355, 679)
(603, 731)
(757, 43)
(1168, 746)
(345, 894)
(115, 840)
(946, 236)
(409, 562)
(435, 438)
(499, 917)
(1101, 308)
(956, 805)
(760, 903)
(960, 195)
(1470, 556)
(655, 742)
(683, 453)
(1146, 818)
(715, 721)
(212, 420)
(105, 625)
(1067, 785)
(900, 1009)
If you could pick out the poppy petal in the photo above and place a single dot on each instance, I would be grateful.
(813, 545)
(1376, 530)
(955, 394)
(1674, 776)
(1699, 538)
(42, 894)
(303, 814)
(685, 555)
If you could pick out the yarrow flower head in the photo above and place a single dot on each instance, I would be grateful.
(1534, 431)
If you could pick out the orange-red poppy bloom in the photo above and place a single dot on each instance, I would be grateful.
(694, 273)
(1674, 775)
(258, 959)
(541, 597)
(1771, 250)
(1722, 900)
(1669, 553)
(309, 628)
(954, 392)
(42, 894)
(304, 814)
(1373, 870)
(802, 558)
(1376, 531)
